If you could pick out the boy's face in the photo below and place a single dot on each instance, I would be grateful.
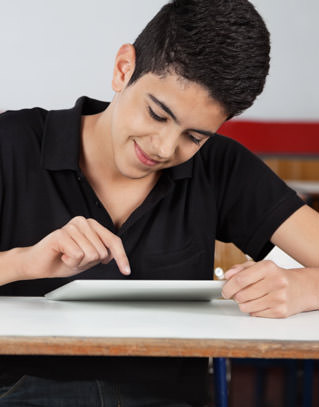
(158, 123)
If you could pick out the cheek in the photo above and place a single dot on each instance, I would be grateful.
(130, 124)
(185, 152)
(189, 150)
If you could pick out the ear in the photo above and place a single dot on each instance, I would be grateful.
(124, 67)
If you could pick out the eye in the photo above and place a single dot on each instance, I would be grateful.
(164, 119)
(194, 139)
(155, 116)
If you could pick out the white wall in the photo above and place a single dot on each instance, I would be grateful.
(54, 51)
(292, 90)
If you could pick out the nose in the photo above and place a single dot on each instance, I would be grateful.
(165, 144)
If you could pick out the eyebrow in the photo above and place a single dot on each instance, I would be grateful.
(169, 112)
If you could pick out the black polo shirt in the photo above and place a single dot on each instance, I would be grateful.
(223, 192)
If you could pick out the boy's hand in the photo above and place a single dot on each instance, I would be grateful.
(265, 290)
(79, 245)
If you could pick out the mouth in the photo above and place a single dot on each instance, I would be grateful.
(143, 157)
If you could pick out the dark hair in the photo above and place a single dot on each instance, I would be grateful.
(222, 45)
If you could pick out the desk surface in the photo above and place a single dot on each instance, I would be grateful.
(31, 325)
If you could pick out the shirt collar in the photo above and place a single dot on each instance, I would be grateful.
(62, 136)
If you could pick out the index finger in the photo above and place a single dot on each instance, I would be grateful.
(242, 279)
(237, 268)
(114, 244)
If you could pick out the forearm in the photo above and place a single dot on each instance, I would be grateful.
(11, 265)
(307, 288)
(298, 236)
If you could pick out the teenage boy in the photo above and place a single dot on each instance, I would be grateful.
(140, 188)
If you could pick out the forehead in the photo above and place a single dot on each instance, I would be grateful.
(188, 100)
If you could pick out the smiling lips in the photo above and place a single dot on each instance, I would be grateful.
(144, 159)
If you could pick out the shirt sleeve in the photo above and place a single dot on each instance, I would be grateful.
(14, 136)
(252, 201)
(1, 167)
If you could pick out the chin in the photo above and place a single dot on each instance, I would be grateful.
(132, 169)
(134, 173)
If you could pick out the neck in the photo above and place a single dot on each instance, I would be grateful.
(96, 146)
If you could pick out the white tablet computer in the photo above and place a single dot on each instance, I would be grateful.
(137, 290)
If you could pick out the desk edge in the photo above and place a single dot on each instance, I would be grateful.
(18, 345)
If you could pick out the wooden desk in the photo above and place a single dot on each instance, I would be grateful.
(36, 326)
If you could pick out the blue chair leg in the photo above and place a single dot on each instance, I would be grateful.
(220, 379)
(307, 383)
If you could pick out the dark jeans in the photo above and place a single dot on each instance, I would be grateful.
(31, 391)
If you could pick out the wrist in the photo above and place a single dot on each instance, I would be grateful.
(16, 263)
(309, 288)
